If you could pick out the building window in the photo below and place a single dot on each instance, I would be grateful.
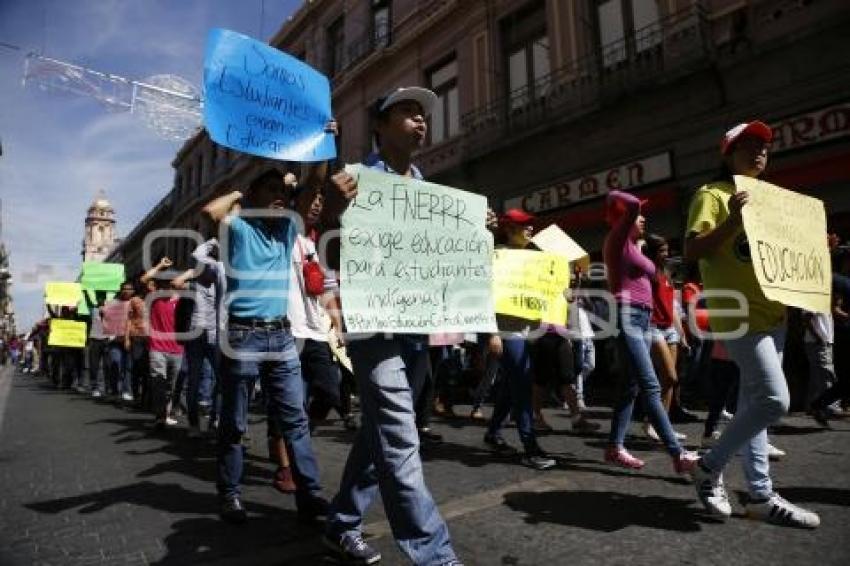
(527, 59)
(627, 28)
(445, 117)
(336, 46)
(381, 22)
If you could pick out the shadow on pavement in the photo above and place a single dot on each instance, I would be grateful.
(276, 539)
(606, 511)
(787, 430)
(825, 495)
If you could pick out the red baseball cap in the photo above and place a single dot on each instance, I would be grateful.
(517, 216)
(757, 129)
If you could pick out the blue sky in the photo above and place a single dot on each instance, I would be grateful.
(58, 150)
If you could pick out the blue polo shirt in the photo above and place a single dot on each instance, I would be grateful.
(374, 161)
(259, 255)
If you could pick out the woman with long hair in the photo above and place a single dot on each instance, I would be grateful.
(754, 336)
(629, 279)
(665, 327)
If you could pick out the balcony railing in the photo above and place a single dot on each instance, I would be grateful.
(673, 45)
(365, 45)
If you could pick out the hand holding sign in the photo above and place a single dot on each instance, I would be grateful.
(262, 101)
(416, 257)
(787, 239)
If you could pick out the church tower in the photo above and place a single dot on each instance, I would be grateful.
(100, 229)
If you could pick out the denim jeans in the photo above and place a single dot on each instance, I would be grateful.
(821, 369)
(321, 379)
(164, 369)
(762, 399)
(585, 363)
(119, 368)
(98, 350)
(514, 393)
(634, 340)
(385, 454)
(270, 355)
(202, 349)
(139, 369)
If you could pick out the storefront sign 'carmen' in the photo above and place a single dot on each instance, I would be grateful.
(811, 128)
(623, 177)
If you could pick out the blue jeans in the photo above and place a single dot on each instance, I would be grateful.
(634, 339)
(514, 393)
(762, 400)
(385, 454)
(119, 369)
(270, 355)
(202, 349)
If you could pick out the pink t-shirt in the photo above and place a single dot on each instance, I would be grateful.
(629, 271)
(163, 326)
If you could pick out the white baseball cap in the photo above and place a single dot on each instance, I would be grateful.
(756, 128)
(426, 98)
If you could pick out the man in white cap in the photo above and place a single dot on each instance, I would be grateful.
(390, 370)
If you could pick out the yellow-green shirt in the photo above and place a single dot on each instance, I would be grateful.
(730, 266)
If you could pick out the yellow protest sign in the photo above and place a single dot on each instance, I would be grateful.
(62, 293)
(68, 333)
(554, 240)
(787, 239)
(530, 285)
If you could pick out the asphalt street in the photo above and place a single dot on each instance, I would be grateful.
(87, 482)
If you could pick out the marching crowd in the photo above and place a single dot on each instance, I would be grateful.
(260, 321)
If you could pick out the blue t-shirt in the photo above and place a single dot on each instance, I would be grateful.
(259, 255)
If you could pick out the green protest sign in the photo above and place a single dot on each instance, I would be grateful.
(99, 276)
(416, 258)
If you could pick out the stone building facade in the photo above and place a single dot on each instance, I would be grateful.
(548, 104)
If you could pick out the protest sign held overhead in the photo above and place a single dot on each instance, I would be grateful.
(787, 239)
(529, 284)
(67, 333)
(415, 258)
(554, 240)
(97, 276)
(62, 293)
(262, 101)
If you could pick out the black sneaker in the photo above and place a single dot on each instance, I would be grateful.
(498, 444)
(232, 511)
(312, 508)
(821, 417)
(538, 461)
(681, 416)
(426, 435)
(352, 550)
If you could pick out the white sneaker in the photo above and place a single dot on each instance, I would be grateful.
(680, 435)
(710, 441)
(774, 453)
(127, 397)
(726, 416)
(650, 433)
(778, 511)
(581, 405)
(96, 394)
(170, 421)
(711, 493)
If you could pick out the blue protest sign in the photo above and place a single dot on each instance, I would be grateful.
(261, 101)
